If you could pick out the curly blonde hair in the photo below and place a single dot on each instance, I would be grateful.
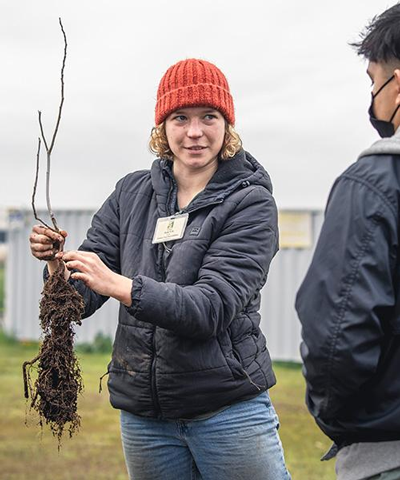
(158, 143)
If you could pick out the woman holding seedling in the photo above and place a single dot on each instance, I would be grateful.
(186, 248)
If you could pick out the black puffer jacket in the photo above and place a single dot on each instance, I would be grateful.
(349, 304)
(190, 343)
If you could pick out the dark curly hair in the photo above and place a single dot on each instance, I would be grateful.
(380, 41)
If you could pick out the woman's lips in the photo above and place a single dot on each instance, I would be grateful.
(195, 148)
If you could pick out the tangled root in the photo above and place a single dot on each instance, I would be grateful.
(54, 394)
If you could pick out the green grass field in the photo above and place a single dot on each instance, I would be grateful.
(95, 452)
(2, 280)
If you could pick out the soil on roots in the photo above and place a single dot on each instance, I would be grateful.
(54, 394)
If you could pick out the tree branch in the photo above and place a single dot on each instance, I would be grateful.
(25, 374)
(50, 149)
(62, 88)
(35, 187)
(52, 216)
(41, 130)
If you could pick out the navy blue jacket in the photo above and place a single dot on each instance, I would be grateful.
(349, 304)
(191, 341)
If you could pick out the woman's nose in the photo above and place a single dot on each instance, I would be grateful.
(194, 130)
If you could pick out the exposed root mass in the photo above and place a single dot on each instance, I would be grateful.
(54, 394)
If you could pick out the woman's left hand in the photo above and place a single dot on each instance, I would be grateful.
(96, 275)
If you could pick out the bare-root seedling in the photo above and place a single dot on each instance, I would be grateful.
(54, 394)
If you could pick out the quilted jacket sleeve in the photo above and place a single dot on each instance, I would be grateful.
(102, 239)
(345, 300)
(233, 270)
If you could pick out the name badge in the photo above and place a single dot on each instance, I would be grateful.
(170, 228)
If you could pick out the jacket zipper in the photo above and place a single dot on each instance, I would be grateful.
(153, 377)
(163, 276)
(154, 361)
(191, 210)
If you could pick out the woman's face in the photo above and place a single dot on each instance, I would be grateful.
(195, 136)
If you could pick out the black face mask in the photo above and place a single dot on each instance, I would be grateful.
(383, 127)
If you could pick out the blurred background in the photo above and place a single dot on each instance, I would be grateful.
(301, 94)
(301, 97)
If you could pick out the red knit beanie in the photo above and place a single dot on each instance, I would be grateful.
(194, 83)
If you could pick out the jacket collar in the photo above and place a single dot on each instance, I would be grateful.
(238, 172)
(384, 146)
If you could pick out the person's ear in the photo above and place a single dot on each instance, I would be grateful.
(396, 74)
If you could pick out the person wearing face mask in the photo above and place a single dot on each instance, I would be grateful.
(349, 301)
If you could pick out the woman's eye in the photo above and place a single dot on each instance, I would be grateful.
(210, 116)
(180, 118)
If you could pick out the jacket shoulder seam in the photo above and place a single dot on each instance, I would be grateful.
(374, 189)
(255, 187)
(124, 180)
(258, 187)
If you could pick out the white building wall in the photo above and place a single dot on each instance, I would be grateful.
(24, 285)
(24, 278)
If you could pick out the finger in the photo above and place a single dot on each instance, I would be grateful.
(81, 276)
(45, 255)
(41, 230)
(35, 238)
(41, 247)
(86, 257)
(53, 235)
(76, 265)
(64, 233)
(38, 228)
(67, 255)
(48, 258)
(57, 237)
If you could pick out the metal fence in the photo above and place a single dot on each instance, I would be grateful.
(24, 285)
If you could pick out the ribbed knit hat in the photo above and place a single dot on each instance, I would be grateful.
(194, 83)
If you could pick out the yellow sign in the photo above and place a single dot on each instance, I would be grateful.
(295, 229)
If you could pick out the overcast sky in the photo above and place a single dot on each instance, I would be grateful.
(301, 94)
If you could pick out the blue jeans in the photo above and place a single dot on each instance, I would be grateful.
(241, 442)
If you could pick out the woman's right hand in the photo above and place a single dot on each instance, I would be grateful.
(45, 243)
